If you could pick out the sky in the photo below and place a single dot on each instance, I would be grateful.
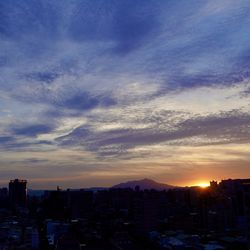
(97, 92)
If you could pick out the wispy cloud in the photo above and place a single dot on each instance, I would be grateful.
(116, 80)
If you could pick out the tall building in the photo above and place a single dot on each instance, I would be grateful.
(18, 193)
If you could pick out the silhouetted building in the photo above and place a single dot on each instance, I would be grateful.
(4, 201)
(146, 212)
(216, 217)
(213, 185)
(79, 203)
(67, 242)
(55, 204)
(18, 193)
(3, 192)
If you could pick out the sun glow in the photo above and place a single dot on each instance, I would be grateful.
(203, 184)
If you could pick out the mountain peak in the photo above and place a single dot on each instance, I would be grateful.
(145, 183)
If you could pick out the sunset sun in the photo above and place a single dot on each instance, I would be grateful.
(203, 184)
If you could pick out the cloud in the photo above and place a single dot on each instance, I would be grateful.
(32, 130)
(46, 77)
(116, 79)
(83, 101)
(4, 139)
(198, 44)
(225, 128)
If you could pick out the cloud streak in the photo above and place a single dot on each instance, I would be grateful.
(122, 81)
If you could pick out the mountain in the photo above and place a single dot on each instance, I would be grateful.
(33, 192)
(144, 184)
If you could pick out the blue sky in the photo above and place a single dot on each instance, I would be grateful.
(101, 91)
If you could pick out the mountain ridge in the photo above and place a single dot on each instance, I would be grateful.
(145, 183)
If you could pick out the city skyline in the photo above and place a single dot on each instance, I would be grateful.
(144, 184)
(93, 93)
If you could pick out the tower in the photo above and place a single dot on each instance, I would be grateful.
(18, 193)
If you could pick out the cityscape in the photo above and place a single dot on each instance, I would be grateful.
(184, 218)
(124, 124)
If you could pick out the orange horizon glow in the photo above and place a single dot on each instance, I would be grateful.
(202, 184)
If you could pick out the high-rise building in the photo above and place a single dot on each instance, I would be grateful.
(18, 193)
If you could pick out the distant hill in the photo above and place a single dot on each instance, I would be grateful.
(95, 189)
(33, 192)
(144, 184)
